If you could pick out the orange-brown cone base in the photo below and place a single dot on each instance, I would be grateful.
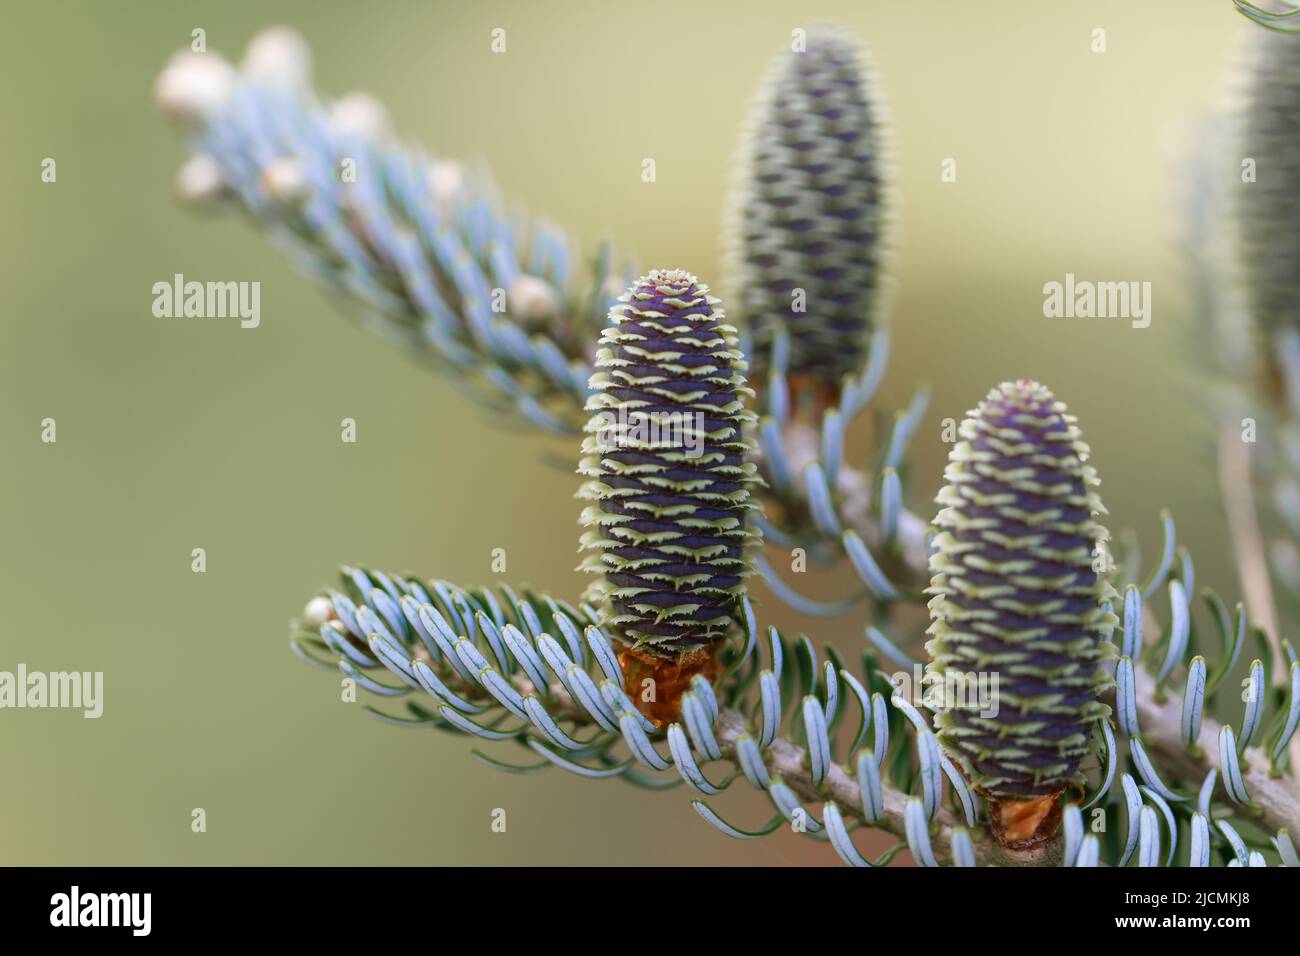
(1024, 824)
(672, 678)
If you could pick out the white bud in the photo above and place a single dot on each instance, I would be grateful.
(193, 86)
(531, 299)
(200, 181)
(279, 57)
(284, 181)
(446, 181)
(318, 610)
(361, 114)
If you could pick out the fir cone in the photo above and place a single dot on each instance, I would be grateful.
(669, 486)
(1268, 241)
(1269, 208)
(1017, 594)
(810, 212)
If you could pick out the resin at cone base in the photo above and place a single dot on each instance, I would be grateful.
(671, 676)
(1021, 824)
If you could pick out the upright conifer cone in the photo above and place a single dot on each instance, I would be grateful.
(809, 209)
(1017, 593)
(1268, 238)
(669, 485)
(1269, 207)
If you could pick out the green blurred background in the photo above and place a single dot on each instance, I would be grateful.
(185, 434)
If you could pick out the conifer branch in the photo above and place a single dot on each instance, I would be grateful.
(789, 762)
(1274, 800)
(424, 246)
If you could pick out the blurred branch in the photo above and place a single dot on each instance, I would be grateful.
(1249, 550)
(1247, 542)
